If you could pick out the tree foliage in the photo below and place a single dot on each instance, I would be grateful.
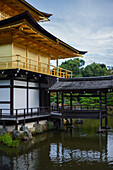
(95, 69)
(91, 70)
(74, 65)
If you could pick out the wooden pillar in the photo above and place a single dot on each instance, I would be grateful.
(100, 114)
(62, 101)
(40, 95)
(27, 97)
(57, 96)
(49, 96)
(62, 123)
(106, 119)
(57, 62)
(16, 125)
(11, 95)
(27, 61)
(57, 66)
(71, 107)
(4, 124)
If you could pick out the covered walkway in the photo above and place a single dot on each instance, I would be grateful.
(74, 88)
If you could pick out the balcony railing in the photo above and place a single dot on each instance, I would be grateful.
(17, 61)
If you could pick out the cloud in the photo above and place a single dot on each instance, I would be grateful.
(83, 24)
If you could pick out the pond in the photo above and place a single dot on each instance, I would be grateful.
(77, 148)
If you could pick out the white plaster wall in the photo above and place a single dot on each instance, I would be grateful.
(33, 98)
(20, 83)
(3, 107)
(4, 94)
(20, 98)
(4, 82)
(32, 84)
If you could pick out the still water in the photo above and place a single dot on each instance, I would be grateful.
(76, 148)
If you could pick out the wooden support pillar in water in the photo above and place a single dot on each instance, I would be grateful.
(106, 119)
(71, 107)
(62, 122)
(100, 114)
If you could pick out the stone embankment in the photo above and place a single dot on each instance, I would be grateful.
(24, 133)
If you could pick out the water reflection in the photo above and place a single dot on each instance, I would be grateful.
(59, 153)
(61, 150)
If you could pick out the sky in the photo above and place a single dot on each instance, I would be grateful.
(84, 24)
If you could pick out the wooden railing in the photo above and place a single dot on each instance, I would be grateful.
(78, 107)
(15, 114)
(17, 61)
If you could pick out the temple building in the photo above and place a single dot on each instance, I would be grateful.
(26, 50)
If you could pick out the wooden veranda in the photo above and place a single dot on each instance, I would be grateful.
(97, 87)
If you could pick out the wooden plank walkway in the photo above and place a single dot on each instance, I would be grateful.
(24, 114)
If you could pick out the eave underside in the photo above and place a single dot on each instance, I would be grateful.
(23, 29)
(14, 7)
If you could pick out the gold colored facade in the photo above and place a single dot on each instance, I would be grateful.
(25, 45)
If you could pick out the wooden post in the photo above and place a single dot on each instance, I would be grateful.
(71, 107)
(31, 112)
(11, 96)
(57, 66)
(57, 95)
(0, 113)
(62, 102)
(106, 119)
(3, 124)
(16, 126)
(49, 99)
(100, 114)
(62, 124)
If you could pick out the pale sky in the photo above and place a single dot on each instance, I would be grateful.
(84, 24)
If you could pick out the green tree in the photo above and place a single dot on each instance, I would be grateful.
(74, 65)
(95, 69)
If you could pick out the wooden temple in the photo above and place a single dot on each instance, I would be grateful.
(26, 50)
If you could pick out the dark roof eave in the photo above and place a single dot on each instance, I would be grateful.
(26, 15)
(87, 84)
(34, 9)
(81, 90)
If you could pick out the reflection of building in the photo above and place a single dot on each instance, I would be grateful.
(62, 151)
(91, 150)
(25, 53)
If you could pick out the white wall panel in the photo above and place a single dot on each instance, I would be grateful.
(33, 84)
(20, 98)
(4, 82)
(33, 98)
(20, 83)
(4, 94)
(5, 106)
